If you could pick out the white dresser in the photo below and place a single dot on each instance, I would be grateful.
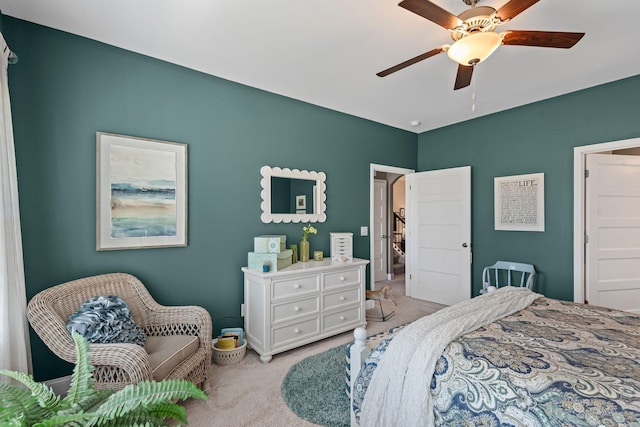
(302, 303)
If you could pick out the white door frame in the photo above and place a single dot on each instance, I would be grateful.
(373, 169)
(579, 166)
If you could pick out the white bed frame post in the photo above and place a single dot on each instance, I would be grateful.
(358, 354)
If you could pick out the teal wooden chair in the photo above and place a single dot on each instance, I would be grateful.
(507, 273)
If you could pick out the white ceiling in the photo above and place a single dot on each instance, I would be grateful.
(327, 52)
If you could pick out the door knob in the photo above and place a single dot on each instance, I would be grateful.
(464, 245)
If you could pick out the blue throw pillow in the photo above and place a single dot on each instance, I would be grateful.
(106, 319)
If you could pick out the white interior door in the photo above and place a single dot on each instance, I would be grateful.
(439, 235)
(612, 223)
(379, 233)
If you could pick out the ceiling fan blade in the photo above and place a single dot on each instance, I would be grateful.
(463, 78)
(542, 38)
(432, 12)
(411, 61)
(514, 8)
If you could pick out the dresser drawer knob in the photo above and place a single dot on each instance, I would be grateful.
(296, 308)
(297, 286)
(342, 298)
(296, 330)
(343, 318)
(343, 278)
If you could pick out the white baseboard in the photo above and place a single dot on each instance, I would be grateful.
(60, 385)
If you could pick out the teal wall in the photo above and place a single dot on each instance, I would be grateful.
(66, 88)
(534, 138)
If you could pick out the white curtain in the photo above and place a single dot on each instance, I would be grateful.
(15, 352)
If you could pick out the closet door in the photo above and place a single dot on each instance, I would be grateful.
(612, 225)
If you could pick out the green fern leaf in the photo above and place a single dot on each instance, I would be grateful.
(70, 420)
(138, 417)
(43, 393)
(166, 411)
(154, 415)
(91, 403)
(148, 393)
(19, 407)
(82, 377)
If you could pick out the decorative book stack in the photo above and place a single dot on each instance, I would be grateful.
(269, 253)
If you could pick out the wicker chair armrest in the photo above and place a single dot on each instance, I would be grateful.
(51, 328)
(131, 358)
(180, 320)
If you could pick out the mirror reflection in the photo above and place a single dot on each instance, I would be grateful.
(292, 195)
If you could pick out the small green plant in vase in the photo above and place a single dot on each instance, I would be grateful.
(148, 403)
(304, 244)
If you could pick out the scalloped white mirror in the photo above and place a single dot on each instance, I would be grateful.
(292, 195)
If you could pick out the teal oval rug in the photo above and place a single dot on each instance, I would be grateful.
(314, 388)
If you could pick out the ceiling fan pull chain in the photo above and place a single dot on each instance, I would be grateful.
(473, 95)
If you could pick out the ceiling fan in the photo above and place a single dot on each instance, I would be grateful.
(474, 37)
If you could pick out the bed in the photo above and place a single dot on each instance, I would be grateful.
(510, 357)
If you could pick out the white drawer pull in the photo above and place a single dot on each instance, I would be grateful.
(297, 286)
(342, 298)
(343, 318)
(296, 330)
(343, 278)
(296, 308)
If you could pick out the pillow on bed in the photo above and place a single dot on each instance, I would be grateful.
(106, 319)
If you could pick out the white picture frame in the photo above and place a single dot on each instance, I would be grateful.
(141, 193)
(301, 203)
(519, 202)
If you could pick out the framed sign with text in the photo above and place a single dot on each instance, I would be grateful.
(519, 202)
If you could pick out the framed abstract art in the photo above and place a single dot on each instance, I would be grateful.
(141, 192)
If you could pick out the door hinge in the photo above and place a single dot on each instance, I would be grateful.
(586, 173)
(586, 239)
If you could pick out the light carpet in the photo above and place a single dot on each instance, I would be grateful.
(248, 393)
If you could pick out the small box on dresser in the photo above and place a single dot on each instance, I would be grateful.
(270, 243)
(341, 246)
(275, 261)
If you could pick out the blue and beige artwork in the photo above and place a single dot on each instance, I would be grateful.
(143, 192)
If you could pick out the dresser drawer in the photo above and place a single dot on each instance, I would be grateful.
(342, 278)
(338, 299)
(342, 318)
(291, 310)
(295, 287)
(296, 332)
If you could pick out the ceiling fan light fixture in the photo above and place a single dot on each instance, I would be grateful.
(474, 48)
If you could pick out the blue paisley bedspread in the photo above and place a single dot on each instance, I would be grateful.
(555, 363)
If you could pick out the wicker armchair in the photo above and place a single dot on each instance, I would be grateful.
(117, 365)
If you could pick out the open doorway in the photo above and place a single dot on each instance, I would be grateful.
(386, 225)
